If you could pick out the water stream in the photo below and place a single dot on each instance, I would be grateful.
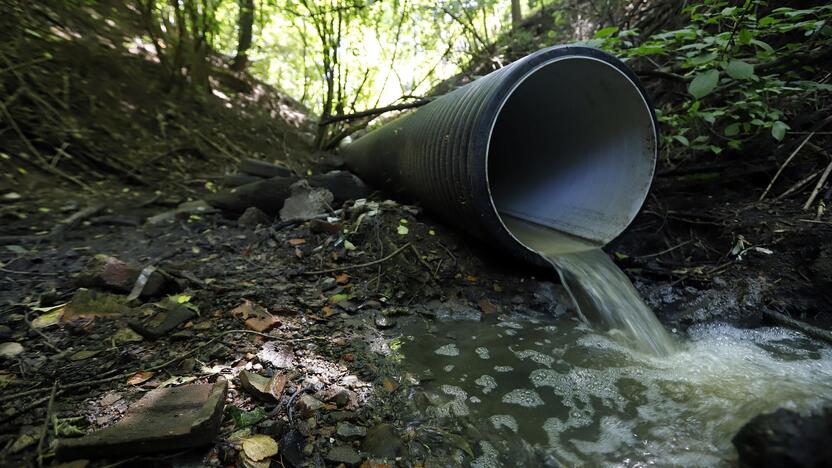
(614, 389)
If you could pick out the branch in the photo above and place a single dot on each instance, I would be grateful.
(371, 112)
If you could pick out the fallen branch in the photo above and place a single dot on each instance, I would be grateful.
(785, 163)
(361, 265)
(818, 186)
(372, 112)
(798, 325)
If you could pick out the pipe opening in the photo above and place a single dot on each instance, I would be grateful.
(571, 155)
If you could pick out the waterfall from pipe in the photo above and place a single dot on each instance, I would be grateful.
(602, 293)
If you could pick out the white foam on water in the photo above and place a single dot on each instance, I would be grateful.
(504, 420)
(508, 324)
(449, 349)
(503, 369)
(535, 356)
(456, 406)
(686, 407)
(487, 383)
(523, 397)
(488, 459)
(448, 368)
(483, 353)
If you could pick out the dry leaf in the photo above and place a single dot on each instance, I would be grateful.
(140, 377)
(327, 311)
(343, 278)
(472, 279)
(389, 384)
(259, 447)
(297, 242)
(277, 384)
(488, 307)
(245, 309)
(262, 324)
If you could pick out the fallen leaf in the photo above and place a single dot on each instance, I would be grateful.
(471, 279)
(176, 380)
(126, 335)
(348, 357)
(402, 230)
(389, 384)
(259, 447)
(336, 298)
(262, 324)
(139, 377)
(48, 319)
(343, 278)
(349, 245)
(327, 311)
(296, 242)
(277, 384)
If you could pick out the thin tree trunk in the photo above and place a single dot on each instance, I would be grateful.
(516, 14)
(246, 22)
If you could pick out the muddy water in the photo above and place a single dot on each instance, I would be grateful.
(534, 389)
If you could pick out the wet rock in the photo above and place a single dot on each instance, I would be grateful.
(163, 321)
(384, 322)
(349, 431)
(164, 419)
(343, 185)
(291, 448)
(277, 355)
(343, 454)
(306, 202)
(339, 416)
(382, 442)
(253, 217)
(786, 438)
(452, 310)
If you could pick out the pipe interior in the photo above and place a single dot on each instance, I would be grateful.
(571, 155)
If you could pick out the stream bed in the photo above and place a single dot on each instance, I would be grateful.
(535, 389)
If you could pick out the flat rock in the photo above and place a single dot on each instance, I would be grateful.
(786, 438)
(343, 454)
(277, 355)
(349, 431)
(163, 420)
(164, 321)
(306, 202)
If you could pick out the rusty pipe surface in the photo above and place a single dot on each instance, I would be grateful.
(560, 145)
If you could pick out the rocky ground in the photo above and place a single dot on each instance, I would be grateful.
(121, 308)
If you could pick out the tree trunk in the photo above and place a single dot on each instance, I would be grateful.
(246, 22)
(516, 14)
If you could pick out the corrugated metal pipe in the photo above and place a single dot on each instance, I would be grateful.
(559, 144)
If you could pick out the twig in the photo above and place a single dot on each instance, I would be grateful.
(671, 249)
(799, 185)
(801, 326)
(371, 112)
(45, 428)
(818, 186)
(422, 261)
(47, 341)
(361, 265)
(786, 163)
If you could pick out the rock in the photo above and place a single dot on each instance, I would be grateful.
(110, 273)
(256, 385)
(183, 212)
(786, 438)
(164, 419)
(306, 202)
(452, 310)
(291, 448)
(343, 454)
(381, 441)
(344, 185)
(342, 398)
(163, 321)
(319, 226)
(267, 195)
(10, 349)
(821, 268)
(384, 322)
(5, 332)
(253, 217)
(236, 180)
(276, 355)
(349, 431)
(309, 404)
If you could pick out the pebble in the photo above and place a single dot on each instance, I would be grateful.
(349, 431)
(343, 454)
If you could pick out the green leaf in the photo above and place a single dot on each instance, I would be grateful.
(682, 139)
(739, 70)
(704, 83)
(606, 32)
(733, 129)
(778, 130)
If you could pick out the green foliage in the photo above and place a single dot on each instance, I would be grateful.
(742, 66)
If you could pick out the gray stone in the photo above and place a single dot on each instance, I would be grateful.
(384, 322)
(253, 217)
(277, 355)
(164, 419)
(306, 202)
(349, 431)
(164, 321)
(343, 454)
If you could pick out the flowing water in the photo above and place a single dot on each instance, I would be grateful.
(614, 389)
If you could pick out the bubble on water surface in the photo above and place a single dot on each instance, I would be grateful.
(487, 383)
(503, 369)
(488, 459)
(448, 368)
(523, 397)
(449, 349)
(504, 420)
(483, 353)
(535, 356)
